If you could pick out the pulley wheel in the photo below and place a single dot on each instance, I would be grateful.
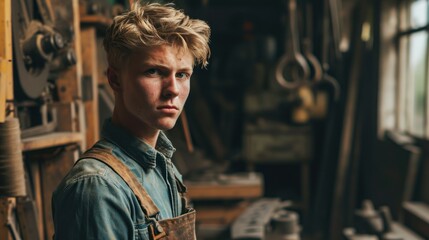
(31, 74)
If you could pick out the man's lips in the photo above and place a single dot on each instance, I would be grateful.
(169, 109)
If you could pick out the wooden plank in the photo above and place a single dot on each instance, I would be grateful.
(50, 140)
(66, 112)
(90, 71)
(37, 190)
(404, 233)
(2, 95)
(6, 206)
(416, 217)
(422, 191)
(102, 63)
(220, 191)
(186, 132)
(67, 85)
(6, 73)
(226, 186)
(394, 172)
(92, 125)
(53, 170)
(96, 21)
(6, 53)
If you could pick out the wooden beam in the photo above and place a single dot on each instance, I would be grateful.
(2, 96)
(6, 206)
(221, 191)
(53, 170)
(6, 73)
(416, 217)
(90, 71)
(37, 190)
(54, 139)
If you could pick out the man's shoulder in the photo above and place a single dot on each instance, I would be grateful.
(92, 173)
(87, 167)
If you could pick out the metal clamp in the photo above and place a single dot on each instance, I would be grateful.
(292, 62)
(155, 229)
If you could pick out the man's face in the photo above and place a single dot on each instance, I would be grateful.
(155, 84)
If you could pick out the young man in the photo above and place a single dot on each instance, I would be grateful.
(125, 186)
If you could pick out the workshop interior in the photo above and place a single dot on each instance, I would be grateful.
(311, 120)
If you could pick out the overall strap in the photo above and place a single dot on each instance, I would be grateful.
(106, 156)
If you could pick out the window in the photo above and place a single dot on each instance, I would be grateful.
(405, 89)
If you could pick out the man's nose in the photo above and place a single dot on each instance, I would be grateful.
(171, 87)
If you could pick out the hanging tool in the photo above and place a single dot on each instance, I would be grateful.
(292, 70)
(334, 9)
(316, 73)
(316, 67)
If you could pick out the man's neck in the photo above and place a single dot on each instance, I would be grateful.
(136, 128)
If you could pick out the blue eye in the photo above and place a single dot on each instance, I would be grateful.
(151, 71)
(182, 75)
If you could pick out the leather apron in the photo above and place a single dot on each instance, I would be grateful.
(179, 228)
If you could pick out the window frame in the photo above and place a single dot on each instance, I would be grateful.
(396, 111)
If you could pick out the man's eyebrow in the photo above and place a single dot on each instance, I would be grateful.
(164, 67)
(186, 69)
(154, 65)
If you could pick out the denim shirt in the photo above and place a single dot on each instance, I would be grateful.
(93, 202)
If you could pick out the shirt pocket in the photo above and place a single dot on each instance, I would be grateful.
(141, 231)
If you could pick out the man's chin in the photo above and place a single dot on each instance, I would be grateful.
(166, 126)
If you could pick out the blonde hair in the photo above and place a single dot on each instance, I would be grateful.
(154, 24)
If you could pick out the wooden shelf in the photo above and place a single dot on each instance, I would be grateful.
(99, 22)
(206, 192)
(416, 217)
(233, 186)
(51, 140)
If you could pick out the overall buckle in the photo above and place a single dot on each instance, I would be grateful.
(155, 229)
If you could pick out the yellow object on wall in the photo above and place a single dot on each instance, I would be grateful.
(6, 73)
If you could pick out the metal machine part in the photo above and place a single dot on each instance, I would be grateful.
(376, 224)
(12, 226)
(37, 41)
(63, 24)
(63, 60)
(285, 226)
(48, 124)
(34, 45)
(367, 219)
(253, 222)
(266, 218)
(42, 47)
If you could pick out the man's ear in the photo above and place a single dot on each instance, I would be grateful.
(114, 81)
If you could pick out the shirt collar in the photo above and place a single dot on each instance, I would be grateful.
(135, 147)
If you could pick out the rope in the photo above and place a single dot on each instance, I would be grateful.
(12, 180)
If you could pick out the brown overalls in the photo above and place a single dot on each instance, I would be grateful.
(179, 228)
